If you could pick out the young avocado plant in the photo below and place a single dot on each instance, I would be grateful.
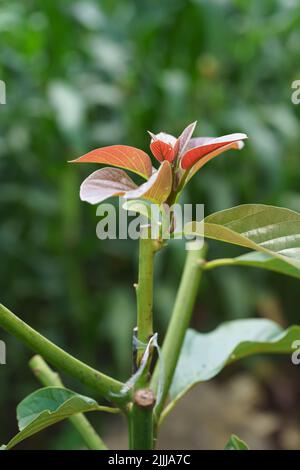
(187, 357)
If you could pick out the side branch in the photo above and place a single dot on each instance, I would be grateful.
(106, 386)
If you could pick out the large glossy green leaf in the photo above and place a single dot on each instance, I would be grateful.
(48, 406)
(235, 443)
(274, 231)
(204, 355)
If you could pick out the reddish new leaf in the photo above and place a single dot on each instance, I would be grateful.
(105, 183)
(157, 188)
(163, 146)
(122, 156)
(200, 163)
(220, 143)
(162, 151)
(185, 137)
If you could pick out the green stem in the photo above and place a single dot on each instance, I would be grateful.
(217, 263)
(140, 418)
(144, 292)
(49, 378)
(106, 386)
(181, 316)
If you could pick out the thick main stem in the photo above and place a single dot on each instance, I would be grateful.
(48, 378)
(181, 316)
(140, 418)
(106, 386)
(141, 421)
(142, 429)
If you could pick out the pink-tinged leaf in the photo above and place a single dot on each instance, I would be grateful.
(105, 183)
(200, 163)
(185, 137)
(157, 188)
(197, 141)
(122, 156)
(166, 138)
(163, 146)
(196, 153)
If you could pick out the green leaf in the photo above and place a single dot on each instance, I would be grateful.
(48, 406)
(258, 260)
(204, 355)
(235, 443)
(274, 231)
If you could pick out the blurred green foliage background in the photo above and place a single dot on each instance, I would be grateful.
(84, 74)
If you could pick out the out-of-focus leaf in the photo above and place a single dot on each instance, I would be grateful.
(194, 154)
(157, 188)
(204, 355)
(105, 183)
(89, 14)
(48, 406)
(104, 94)
(268, 229)
(110, 55)
(235, 443)
(122, 156)
(68, 105)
